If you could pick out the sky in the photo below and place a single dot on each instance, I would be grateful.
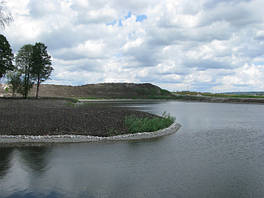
(197, 45)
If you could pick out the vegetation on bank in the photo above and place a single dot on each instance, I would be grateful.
(136, 124)
(219, 95)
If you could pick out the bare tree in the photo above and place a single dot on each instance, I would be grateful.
(5, 15)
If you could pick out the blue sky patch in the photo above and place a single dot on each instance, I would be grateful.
(141, 18)
(120, 24)
(128, 15)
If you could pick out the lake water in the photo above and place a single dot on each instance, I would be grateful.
(218, 152)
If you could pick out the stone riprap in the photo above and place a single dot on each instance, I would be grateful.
(16, 139)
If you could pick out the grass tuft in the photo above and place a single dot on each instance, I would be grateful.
(136, 124)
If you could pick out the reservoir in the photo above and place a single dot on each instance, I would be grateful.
(218, 152)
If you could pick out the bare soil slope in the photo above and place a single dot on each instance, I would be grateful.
(58, 117)
(102, 90)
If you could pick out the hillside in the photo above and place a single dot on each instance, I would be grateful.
(102, 90)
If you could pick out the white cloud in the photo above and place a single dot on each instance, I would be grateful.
(206, 45)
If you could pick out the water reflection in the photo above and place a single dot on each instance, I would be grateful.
(34, 195)
(35, 158)
(5, 160)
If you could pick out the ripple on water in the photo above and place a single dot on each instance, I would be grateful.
(218, 152)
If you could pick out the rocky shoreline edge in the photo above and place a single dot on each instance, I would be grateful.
(22, 139)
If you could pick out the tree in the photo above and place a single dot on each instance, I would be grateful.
(41, 64)
(5, 16)
(24, 67)
(13, 79)
(6, 56)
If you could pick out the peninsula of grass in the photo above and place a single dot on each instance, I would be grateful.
(60, 117)
(146, 124)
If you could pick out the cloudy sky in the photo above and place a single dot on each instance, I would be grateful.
(201, 45)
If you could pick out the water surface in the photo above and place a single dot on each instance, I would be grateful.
(218, 152)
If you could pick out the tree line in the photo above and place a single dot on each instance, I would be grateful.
(31, 65)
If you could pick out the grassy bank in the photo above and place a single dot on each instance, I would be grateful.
(217, 95)
(136, 124)
(223, 98)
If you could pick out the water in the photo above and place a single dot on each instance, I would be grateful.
(218, 152)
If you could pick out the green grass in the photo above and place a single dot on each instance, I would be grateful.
(136, 125)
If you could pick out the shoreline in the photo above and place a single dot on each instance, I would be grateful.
(181, 98)
(232, 100)
(120, 100)
(27, 139)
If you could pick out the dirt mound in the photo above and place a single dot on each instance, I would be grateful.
(102, 90)
(55, 117)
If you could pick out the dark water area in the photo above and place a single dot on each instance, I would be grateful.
(218, 152)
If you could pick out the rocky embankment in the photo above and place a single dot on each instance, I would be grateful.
(26, 139)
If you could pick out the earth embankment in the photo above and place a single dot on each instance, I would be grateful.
(60, 117)
(101, 90)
